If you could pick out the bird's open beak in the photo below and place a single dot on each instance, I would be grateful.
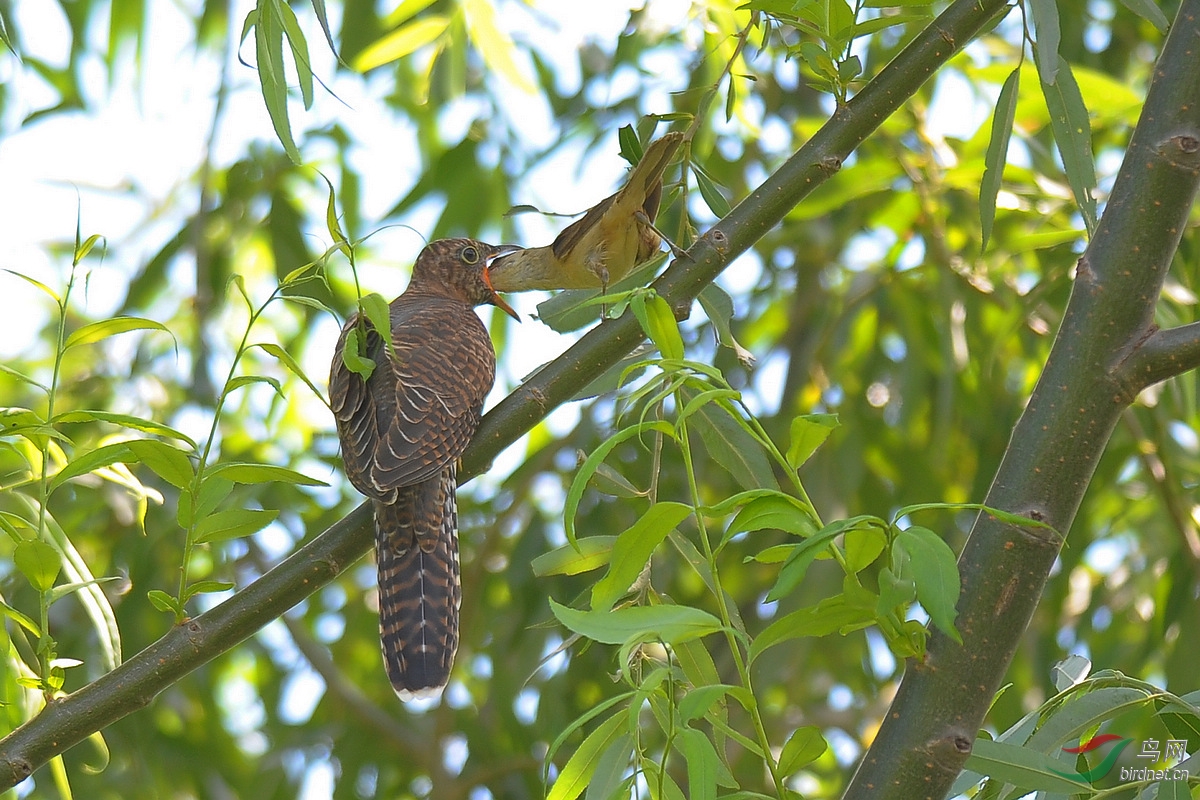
(497, 300)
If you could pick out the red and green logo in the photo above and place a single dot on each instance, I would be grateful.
(1105, 766)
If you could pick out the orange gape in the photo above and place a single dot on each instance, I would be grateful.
(604, 245)
(402, 431)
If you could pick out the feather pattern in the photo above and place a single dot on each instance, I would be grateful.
(402, 431)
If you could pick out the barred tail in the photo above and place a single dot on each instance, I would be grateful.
(419, 592)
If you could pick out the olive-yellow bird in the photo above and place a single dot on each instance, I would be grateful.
(604, 245)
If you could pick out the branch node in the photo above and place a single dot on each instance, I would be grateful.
(719, 240)
(1181, 150)
(830, 164)
(949, 751)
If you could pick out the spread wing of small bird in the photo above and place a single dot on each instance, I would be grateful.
(402, 431)
(603, 245)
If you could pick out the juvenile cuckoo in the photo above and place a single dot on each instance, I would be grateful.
(402, 431)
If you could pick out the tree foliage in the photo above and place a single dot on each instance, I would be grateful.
(707, 574)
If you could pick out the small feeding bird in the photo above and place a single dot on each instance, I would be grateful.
(606, 243)
(402, 431)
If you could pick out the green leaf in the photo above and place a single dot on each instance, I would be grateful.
(729, 443)
(589, 466)
(588, 553)
(299, 47)
(1173, 790)
(494, 44)
(608, 481)
(809, 431)
(818, 60)
(1046, 27)
(83, 248)
(351, 357)
(91, 461)
(803, 747)
(233, 524)
(59, 592)
(1073, 134)
(610, 770)
(241, 472)
(696, 703)
(631, 147)
(164, 602)
(212, 491)
(1149, 11)
(712, 196)
(248, 380)
(39, 562)
(268, 43)
(1020, 766)
(659, 323)
(377, 312)
(633, 549)
(718, 307)
(581, 766)
(401, 42)
(838, 614)
(205, 587)
(931, 563)
(997, 153)
(776, 511)
(169, 463)
(19, 618)
(124, 420)
(796, 566)
(323, 18)
(96, 331)
(671, 624)
(701, 759)
(37, 283)
(862, 547)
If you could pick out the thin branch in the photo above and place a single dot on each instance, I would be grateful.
(134, 684)
(1164, 354)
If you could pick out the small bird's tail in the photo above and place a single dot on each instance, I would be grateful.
(419, 591)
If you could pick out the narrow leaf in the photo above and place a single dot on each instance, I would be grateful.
(401, 42)
(932, 565)
(1046, 27)
(581, 766)
(997, 153)
(1148, 10)
(125, 421)
(95, 331)
(671, 624)
(240, 472)
(701, 759)
(588, 553)
(633, 549)
(1073, 134)
(712, 196)
(233, 524)
(169, 463)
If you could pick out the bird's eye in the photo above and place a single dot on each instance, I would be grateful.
(469, 255)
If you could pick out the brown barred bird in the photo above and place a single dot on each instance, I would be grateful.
(402, 431)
